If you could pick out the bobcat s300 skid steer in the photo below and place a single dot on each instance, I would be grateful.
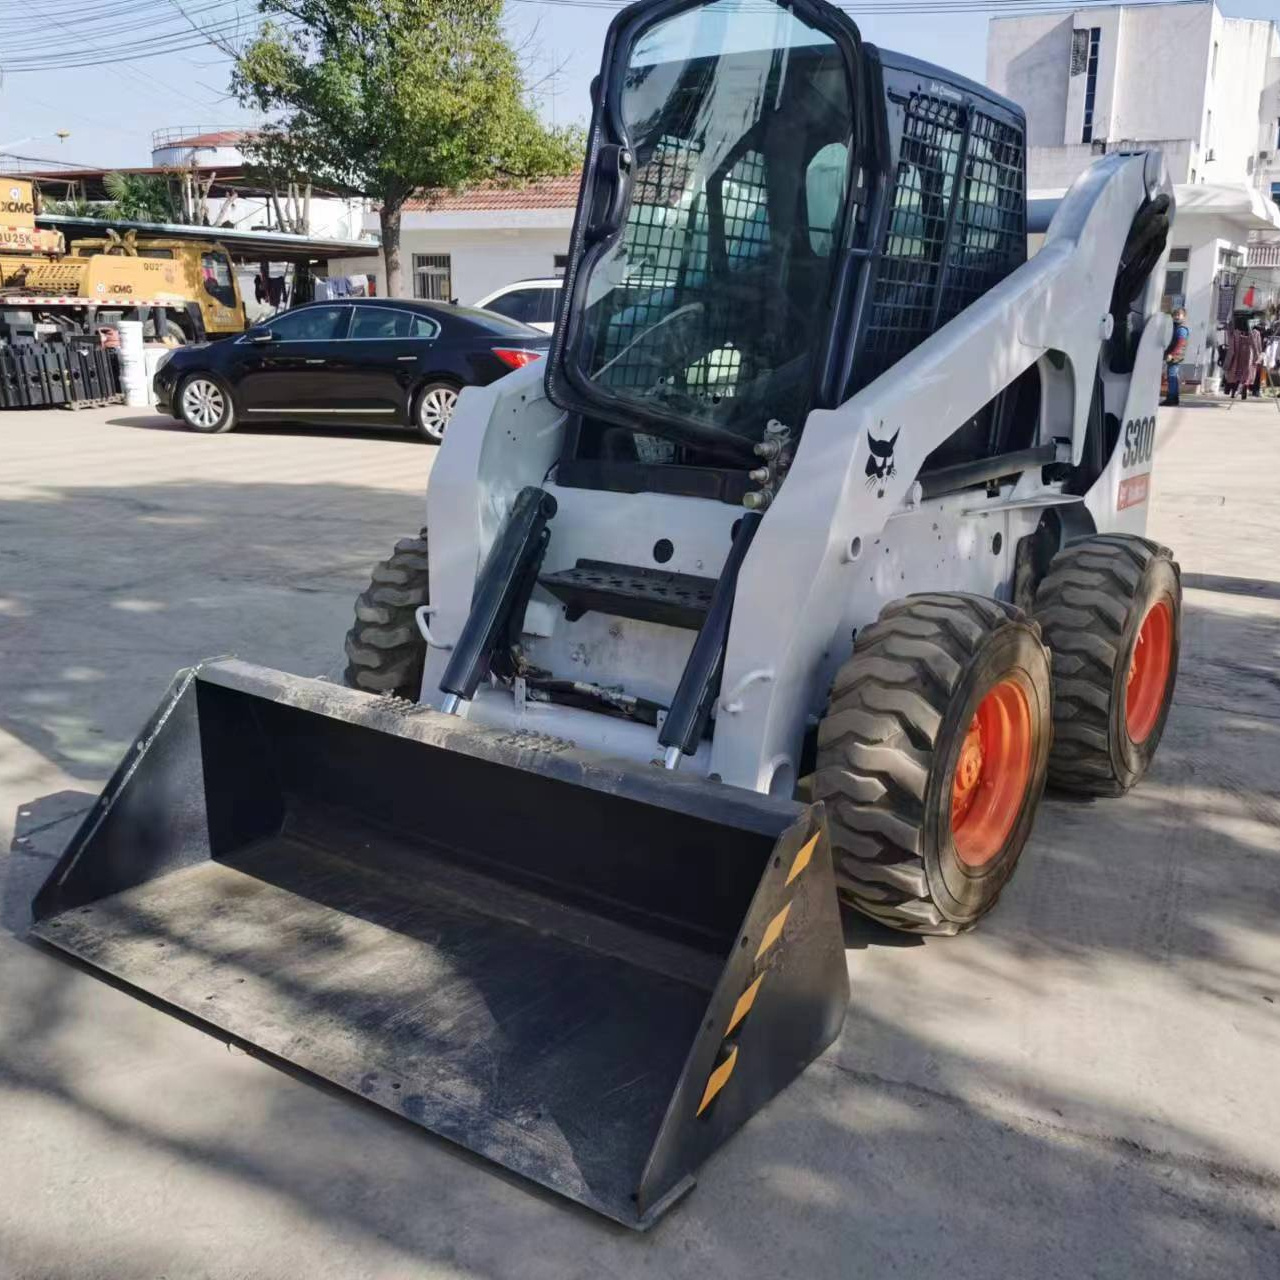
(812, 550)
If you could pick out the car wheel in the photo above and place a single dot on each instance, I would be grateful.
(435, 406)
(205, 405)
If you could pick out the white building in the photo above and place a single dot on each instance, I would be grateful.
(1202, 87)
(466, 244)
(1182, 77)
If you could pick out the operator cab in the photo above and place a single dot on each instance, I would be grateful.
(772, 214)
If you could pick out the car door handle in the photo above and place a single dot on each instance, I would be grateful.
(406, 357)
(315, 361)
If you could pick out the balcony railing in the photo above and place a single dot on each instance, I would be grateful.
(179, 133)
(1265, 255)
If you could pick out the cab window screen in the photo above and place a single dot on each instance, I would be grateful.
(709, 305)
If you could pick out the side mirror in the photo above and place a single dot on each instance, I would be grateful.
(260, 334)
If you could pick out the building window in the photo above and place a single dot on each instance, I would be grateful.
(1175, 288)
(1213, 64)
(432, 277)
(1275, 192)
(1091, 83)
(559, 265)
(1208, 132)
(1278, 135)
(1179, 257)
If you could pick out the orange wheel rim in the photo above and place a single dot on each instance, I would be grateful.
(1149, 672)
(991, 776)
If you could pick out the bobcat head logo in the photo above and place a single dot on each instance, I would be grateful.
(880, 461)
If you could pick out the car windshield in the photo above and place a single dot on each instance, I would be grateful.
(708, 306)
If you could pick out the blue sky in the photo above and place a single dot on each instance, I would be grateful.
(109, 112)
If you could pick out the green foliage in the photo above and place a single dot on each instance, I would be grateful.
(76, 208)
(139, 197)
(390, 96)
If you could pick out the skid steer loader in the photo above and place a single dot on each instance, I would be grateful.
(815, 548)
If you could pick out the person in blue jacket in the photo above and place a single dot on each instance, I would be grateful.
(1174, 354)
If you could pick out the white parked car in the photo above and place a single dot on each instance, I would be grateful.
(529, 301)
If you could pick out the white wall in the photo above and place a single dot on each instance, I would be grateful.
(480, 260)
(1159, 88)
(1028, 60)
(1156, 83)
(1268, 169)
(1052, 167)
(1235, 97)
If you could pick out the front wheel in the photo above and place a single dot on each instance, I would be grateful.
(932, 758)
(433, 409)
(205, 405)
(385, 649)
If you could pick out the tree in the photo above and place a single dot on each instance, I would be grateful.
(140, 197)
(391, 96)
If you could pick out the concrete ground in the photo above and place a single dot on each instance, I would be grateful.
(1086, 1086)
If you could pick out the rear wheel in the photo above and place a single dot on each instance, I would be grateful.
(1111, 611)
(205, 404)
(385, 650)
(932, 758)
(433, 409)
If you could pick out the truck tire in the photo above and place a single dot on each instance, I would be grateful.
(385, 650)
(932, 758)
(1110, 608)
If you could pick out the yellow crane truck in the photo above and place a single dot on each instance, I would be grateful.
(54, 305)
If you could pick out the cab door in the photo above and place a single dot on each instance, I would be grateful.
(377, 367)
(700, 305)
(219, 299)
(291, 374)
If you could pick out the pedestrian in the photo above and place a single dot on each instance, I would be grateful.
(1255, 338)
(1240, 356)
(1271, 357)
(1174, 354)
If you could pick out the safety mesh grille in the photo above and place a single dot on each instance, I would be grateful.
(666, 240)
(957, 226)
(989, 239)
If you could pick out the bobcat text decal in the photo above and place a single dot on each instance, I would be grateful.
(1139, 445)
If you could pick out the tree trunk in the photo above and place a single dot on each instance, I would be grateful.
(389, 221)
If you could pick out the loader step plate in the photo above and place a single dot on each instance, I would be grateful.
(629, 591)
(554, 959)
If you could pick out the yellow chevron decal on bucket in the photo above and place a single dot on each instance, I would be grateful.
(772, 933)
(745, 1001)
(802, 858)
(718, 1079)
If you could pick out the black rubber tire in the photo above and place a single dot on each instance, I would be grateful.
(385, 650)
(887, 749)
(1090, 606)
(225, 423)
(175, 333)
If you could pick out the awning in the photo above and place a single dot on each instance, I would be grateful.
(1246, 206)
(244, 246)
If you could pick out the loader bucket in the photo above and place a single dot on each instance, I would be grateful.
(588, 971)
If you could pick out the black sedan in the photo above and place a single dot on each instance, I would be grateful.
(374, 360)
